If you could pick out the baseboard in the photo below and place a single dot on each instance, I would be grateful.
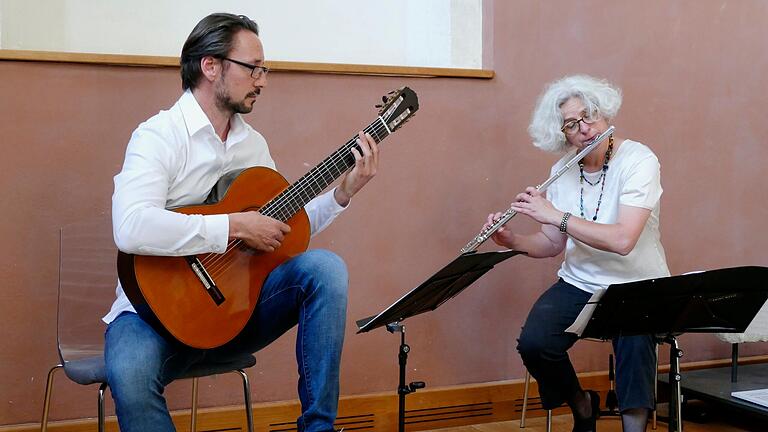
(426, 409)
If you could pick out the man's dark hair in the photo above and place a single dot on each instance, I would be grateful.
(212, 36)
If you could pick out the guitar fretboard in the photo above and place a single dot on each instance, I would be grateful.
(296, 196)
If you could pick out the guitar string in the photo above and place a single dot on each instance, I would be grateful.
(226, 260)
(290, 197)
(219, 263)
(339, 155)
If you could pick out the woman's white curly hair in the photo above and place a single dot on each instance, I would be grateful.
(599, 96)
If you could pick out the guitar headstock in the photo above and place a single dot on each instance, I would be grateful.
(398, 107)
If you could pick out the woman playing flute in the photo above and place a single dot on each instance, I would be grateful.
(605, 216)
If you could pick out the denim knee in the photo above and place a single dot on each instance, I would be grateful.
(328, 270)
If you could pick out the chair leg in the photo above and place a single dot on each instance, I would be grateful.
(102, 387)
(247, 394)
(655, 390)
(47, 399)
(549, 420)
(734, 362)
(525, 398)
(193, 415)
(525, 404)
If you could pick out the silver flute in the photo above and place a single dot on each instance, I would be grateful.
(509, 214)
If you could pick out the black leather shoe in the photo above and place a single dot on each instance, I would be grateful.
(589, 424)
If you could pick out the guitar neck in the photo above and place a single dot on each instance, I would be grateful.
(313, 183)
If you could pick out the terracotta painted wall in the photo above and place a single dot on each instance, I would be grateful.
(694, 80)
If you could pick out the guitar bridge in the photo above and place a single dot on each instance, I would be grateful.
(205, 279)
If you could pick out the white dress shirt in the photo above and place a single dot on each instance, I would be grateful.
(174, 159)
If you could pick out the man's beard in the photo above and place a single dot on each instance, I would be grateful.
(225, 102)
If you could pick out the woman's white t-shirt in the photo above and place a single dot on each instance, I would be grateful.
(633, 179)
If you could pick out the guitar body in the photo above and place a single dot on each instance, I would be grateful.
(168, 294)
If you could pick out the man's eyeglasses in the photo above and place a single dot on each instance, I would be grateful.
(572, 126)
(256, 71)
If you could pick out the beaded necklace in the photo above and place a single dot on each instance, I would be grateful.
(601, 180)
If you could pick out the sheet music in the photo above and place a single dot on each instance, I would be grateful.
(759, 396)
(582, 320)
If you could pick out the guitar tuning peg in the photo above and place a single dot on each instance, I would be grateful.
(384, 99)
(379, 106)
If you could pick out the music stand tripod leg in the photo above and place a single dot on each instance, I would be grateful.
(402, 389)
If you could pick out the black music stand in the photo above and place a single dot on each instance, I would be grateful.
(439, 288)
(715, 301)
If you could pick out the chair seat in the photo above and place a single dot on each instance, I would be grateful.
(88, 370)
(91, 370)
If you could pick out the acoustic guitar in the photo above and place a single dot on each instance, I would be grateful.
(204, 301)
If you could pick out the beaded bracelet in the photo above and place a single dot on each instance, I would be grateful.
(564, 222)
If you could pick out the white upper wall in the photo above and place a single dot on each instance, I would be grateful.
(436, 33)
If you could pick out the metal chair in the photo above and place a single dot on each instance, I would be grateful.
(87, 278)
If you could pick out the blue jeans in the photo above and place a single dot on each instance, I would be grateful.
(309, 290)
(543, 345)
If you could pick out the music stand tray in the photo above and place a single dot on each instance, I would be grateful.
(447, 283)
(715, 301)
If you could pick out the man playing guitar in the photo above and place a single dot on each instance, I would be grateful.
(174, 159)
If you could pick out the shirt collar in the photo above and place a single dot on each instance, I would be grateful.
(196, 119)
(237, 129)
(194, 116)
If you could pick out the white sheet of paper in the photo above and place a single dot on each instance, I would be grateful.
(759, 396)
(582, 320)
